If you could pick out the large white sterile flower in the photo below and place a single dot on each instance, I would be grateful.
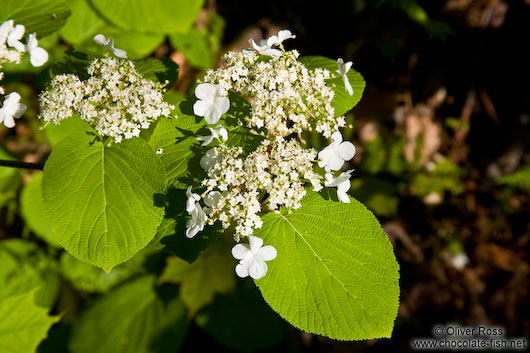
(5, 28)
(264, 49)
(282, 35)
(209, 159)
(109, 45)
(192, 203)
(38, 56)
(197, 221)
(342, 69)
(212, 102)
(217, 131)
(342, 182)
(336, 153)
(252, 257)
(11, 109)
(14, 37)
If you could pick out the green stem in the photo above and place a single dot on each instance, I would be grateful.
(23, 165)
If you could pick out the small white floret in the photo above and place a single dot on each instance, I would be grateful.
(38, 56)
(11, 109)
(265, 49)
(109, 45)
(218, 131)
(192, 200)
(336, 153)
(252, 257)
(14, 37)
(342, 182)
(197, 221)
(282, 35)
(342, 69)
(212, 102)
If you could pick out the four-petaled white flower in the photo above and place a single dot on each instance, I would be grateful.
(197, 221)
(192, 202)
(342, 182)
(212, 102)
(265, 49)
(38, 56)
(5, 28)
(252, 257)
(209, 159)
(282, 35)
(336, 153)
(14, 37)
(342, 69)
(219, 130)
(198, 218)
(11, 109)
(109, 44)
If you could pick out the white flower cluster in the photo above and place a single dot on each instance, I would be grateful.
(11, 51)
(286, 99)
(116, 100)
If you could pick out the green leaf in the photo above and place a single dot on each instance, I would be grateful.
(132, 318)
(101, 201)
(212, 273)
(41, 16)
(83, 23)
(67, 127)
(23, 324)
(181, 152)
(335, 274)
(9, 177)
(242, 320)
(342, 102)
(72, 62)
(88, 278)
(24, 267)
(195, 46)
(32, 209)
(171, 234)
(156, 16)
(160, 70)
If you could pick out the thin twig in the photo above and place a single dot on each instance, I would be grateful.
(24, 165)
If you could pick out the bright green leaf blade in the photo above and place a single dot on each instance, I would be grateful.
(88, 278)
(132, 318)
(67, 127)
(83, 23)
(41, 16)
(342, 102)
(242, 320)
(155, 16)
(32, 209)
(101, 202)
(181, 152)
(195, 47)
(23, 324)
(9, 177)
(199, 282)
(160, 70)
(24, 267)
(335, 274)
